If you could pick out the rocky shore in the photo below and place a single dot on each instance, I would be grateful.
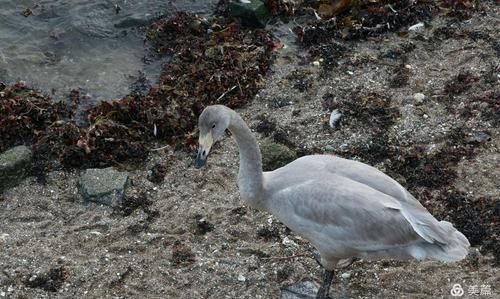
(106, 203)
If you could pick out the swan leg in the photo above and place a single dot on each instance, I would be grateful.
(325, 285)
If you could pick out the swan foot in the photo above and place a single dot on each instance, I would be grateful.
(325, 285)
(308, 289)
(299, 290)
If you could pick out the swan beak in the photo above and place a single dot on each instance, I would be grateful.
(205, 142)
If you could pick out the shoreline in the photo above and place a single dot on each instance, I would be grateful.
(429, 143)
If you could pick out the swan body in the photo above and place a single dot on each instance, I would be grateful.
(345, 208)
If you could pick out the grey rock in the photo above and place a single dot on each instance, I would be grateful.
(335, 119)
(276, 155)
(132, 22)
(105, 186)
(251, 12)
(14, 165)
(299, 290)
(417, 27)
(478, 137)
(419, 98)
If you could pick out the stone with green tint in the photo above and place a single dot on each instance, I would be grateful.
(14, 165)
(275, 155)
(254, 13)
(105, 186)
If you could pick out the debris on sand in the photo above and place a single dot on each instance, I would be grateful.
(157, 173)
(50, 281)
(182, 255)
(370, 19)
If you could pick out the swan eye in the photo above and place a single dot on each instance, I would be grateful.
(213, 126)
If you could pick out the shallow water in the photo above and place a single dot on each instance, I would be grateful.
(69, 44)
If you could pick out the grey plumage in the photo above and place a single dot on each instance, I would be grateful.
(345, 208)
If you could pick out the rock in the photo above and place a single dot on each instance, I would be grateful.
(416, 27)
(14, 165)
(251, 12)
(299, 290)
(276, 155)
(203, 226)
(335, 118)
(132, 22)
(105, 186)
(289, 243)
(345, 275)
(478, 137)
(418, 98)
(241, 278)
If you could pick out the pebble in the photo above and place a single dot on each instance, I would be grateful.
(335, 119)
(345, 275)
(316, 63)
(288, 243)
(241, 278)
(419, 98)
(416, 27)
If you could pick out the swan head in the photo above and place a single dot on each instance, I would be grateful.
(213, 122)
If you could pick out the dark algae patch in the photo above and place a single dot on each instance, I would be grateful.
(182, 254)
(51, 280)
(366, 19)
(25, 114)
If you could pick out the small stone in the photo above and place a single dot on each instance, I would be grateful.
(416, 27)
(14, 165)
(316, 63)
(241, 278)
(329, 148)
(252, 12)
(289, 243)
(105, 186)
(478, 137)
(335, 118)
(345, 275)
(203, 226)
(275, 155)
(2, 294)
(419, 98)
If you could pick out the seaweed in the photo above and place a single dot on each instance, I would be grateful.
(25, 113)
(182, 255)
(213, 61)
(158, 172)
(50, 281)
(363, 21)
(461, 82)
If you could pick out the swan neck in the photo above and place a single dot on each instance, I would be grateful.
(250, 177)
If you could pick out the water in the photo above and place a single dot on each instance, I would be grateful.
(69, 44)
